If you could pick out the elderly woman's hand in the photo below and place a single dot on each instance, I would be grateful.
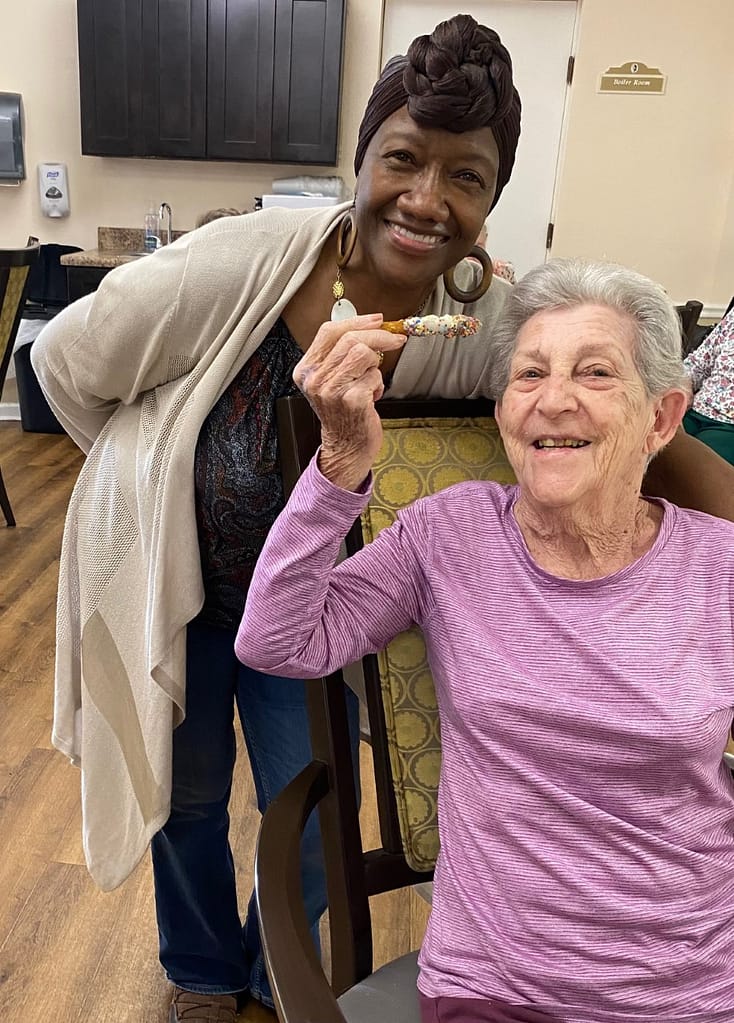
(340, 375)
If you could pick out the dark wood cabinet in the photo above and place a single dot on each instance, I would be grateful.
(174, 49)
(110, 77)
(306, 85)
(211, 79)
(83, 280)
(240, 79)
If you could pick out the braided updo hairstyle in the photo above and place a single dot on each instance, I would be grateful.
(458, 78)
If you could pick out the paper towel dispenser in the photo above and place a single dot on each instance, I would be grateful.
(12, 166)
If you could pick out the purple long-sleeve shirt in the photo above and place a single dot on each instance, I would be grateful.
(586, 817)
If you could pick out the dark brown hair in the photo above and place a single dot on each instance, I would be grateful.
(459, 78)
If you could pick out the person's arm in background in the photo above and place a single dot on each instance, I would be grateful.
(690, 474)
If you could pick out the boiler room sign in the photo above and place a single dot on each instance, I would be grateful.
(633, 77)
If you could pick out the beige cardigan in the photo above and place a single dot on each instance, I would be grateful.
(132, 372)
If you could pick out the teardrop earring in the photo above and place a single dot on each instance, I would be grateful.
(346, 239)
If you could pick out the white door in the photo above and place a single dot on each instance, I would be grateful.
(539, 36)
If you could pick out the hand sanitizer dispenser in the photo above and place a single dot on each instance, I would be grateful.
(54, 189)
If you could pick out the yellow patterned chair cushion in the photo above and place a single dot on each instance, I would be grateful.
(16, 281)
(420, 457)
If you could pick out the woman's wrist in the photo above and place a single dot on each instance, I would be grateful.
(345, 469)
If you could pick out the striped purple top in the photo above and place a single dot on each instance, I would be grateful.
(586, 817)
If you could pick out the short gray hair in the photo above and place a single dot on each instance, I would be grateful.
(567, 283)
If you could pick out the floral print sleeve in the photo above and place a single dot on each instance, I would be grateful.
(711, 369)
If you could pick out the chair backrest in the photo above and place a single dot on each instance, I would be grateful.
(428, 445)
(15, 265)
(47, 285)
(689, 314)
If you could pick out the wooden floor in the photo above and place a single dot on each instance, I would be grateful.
(69, 953)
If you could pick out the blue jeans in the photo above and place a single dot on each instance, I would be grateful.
(203, 945)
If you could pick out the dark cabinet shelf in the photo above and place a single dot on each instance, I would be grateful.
(211, 79)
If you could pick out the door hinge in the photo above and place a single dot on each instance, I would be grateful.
(549, 236)
(569, 70)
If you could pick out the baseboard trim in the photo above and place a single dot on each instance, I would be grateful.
(713, 312)
(9, 410)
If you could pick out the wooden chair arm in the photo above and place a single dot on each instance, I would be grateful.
(301, 991)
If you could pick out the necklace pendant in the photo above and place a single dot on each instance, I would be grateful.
(342, 309)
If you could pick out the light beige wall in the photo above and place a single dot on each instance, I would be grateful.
(38, 58)
(647, 180)
(724, 270)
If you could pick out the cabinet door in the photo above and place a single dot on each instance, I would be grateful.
(110, 77)
(83, 280)
(307, 80)
(240, 79)
(174, 78)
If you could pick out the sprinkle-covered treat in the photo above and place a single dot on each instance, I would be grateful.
(424, 326)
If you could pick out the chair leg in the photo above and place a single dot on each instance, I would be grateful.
(5, 503)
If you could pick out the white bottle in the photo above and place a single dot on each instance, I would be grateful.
(151, 229)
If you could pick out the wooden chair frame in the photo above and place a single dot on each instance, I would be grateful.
(689, 314)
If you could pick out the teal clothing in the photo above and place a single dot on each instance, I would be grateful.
(717, 435)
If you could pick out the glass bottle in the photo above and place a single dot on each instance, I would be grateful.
(151, 229)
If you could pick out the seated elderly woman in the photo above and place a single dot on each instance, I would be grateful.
(580, 638)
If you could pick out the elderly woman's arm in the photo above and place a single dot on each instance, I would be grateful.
(340, 375)
(690, 474)
(303, 617)
(306, 618)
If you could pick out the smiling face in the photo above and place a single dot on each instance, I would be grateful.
(421, 198)
(576, 420)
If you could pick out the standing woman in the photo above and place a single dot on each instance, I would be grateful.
(167, 377)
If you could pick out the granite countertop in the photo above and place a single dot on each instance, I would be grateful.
(115, 246)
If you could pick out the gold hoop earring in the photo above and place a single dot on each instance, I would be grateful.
(467, 297)
(346, 238)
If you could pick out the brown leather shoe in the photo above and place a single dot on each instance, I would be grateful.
(191, 1007)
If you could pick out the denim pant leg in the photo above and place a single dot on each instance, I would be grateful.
(275, 723)
(199, 927)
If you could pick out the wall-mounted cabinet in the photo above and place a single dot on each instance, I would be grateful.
(211, 79)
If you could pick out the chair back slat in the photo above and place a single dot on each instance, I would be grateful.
(13, 281)
(14, 275)
(15, 265)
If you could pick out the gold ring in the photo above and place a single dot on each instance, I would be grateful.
(380, 357)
